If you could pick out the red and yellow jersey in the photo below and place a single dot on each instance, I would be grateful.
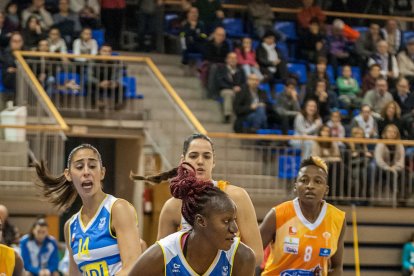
(303, 248)
(7, 260)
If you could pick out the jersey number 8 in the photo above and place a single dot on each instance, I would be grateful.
(308, 253)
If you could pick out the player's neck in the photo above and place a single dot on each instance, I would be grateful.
(91, 204)
(311, 211)
(197, 244)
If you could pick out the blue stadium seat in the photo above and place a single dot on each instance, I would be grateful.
(288, 28)
(407, 35)
(298, 69)
(356, 73)
(283, 49)
(279, 87)
(1, 81)
(234, 27)
(99, 36)
(288, 166)
(360, 29)
(331, 74)
(64, 77)
(130, 84)
(169, 25)
(343, 112)
(265, 131)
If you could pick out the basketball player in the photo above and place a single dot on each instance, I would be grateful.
(103, 237)
(199, 152)
(306, 234)
(10, 262)
(210, 246)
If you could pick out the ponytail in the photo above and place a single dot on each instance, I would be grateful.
(155, 179)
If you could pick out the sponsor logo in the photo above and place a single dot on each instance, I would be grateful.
(102, 223)
(225, 271)
(292, 230)
(96, 269)
(297, 272)
(326, 235)
(291, 245)
(325, 252)
(176, 268)
(310, 236)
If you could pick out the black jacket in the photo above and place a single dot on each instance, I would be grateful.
(405, 106)
(216, 53)
(225, 80)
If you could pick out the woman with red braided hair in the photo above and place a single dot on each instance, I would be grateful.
(198, 151)
(210, 246)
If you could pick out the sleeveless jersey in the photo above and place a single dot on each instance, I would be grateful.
(94, 247)
(175, 263)
(7, 260)
(221, 184)
(303, 248)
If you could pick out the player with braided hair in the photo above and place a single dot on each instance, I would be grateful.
(306, 234)
(210, 246)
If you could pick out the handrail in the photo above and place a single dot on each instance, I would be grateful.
(355, 238)
(272, 137)
(95, 57)
(328, 13)
(55, 113)
(34, 127)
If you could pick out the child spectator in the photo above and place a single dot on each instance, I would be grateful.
(85, 45)
(246, 57)
(337, 129)
(328, 151)
(348, 89)
(56, 43)
(368, 82)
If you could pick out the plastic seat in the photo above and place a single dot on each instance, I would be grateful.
(265, 131)
(130, 84)
(288, 28)
(288, 166)
(407, 35)
(284, 49)
(234, 27)
(279, 87)
(99, 36)
(298, 69)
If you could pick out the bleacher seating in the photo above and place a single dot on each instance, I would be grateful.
(299, 70)
(99, 36)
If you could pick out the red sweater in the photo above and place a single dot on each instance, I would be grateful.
(305, 16)
(113, 4)
(249, 58)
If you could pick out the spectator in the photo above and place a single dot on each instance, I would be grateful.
(67, 22)
(387, 61)
(335, 124)
(393, 36)
(246, 57)
(38, 10)
(89, 12)
(32, 33)
(313, 42)
(211, 13)
(407, 257)
(261, 16)
(40, 251)
(85, 45)
(12, 17)
(230, 78)
(366, 44)
(56, 43)
(407, 122)
(45, 68)
(308, 12)
(9, 66)
(324, 98)
(10, 262)
(390, 114)
(112, 15)
(348, 89)
(250, 107)
(287, 106)
(193, 36)
(406, 61)
(147, 23)
(4, 32)
(339, 53)
(272, 65)
(368, 82)
(307, 123)
(319, 74)
(403, 96)
(378, 97)
(9, 235)
(366, 121)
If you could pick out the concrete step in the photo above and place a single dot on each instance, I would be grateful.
(259, 182)
(239, 167)
(203, 104)
(11, 146)
(218, 127)
(22, 174)
(185, 82)
(172, 70)
(14, 159)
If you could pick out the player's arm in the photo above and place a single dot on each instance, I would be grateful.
(169, 218)
(73, 268)
(337, 259)
(18, 265)
(247, 222)
(151, 262)
(124, 222)
(244, 261)
(268, 228)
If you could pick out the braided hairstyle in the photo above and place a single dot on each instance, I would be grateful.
(195, 194)
(314, 161)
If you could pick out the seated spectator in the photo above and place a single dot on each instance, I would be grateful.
(339, 53)
(67, 22)
(230, 78)
(403, 96)
(85, 45)
(250, 107)
(406, 61)
(12, 17)
(407, 125)
(211, 13)
(246, 57)
(390, 114)
(5, 32)
(261, 16)
(308, 12)
(271, 62)
(366, 121)
(89, 12)
(10, 262)
(366, 43)
(9, 67)
(32, 33)
(378, 97)
(386, 60)
(313, 42)
(337, 129)
(193, 36)
(393, 36)
(56, 43)
(348, 89)
(407, 257)
(328, 151)
(307, 123)
(45, 68)
(324, 98)
(368, 81)
(37, 9)
(287, 106)
(40, 251)
(319, 74)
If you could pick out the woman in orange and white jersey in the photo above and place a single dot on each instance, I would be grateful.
(305, 234)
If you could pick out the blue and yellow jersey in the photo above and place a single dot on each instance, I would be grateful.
(94, 246)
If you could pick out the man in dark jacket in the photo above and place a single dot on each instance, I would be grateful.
(403, 96)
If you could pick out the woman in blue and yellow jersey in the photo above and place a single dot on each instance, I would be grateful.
(198, 151)
(305, 234)
(11, 264)
(210, 246)
(102, 238)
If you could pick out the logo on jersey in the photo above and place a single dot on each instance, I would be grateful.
(96, 269)
(325, 252)
(326, 235)
(176, 268)
(225, 271)
(291, 245)
(102, 223)
(292, 230)
(73, 237)
(297, 272)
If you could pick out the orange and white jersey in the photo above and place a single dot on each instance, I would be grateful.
(301, 247)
